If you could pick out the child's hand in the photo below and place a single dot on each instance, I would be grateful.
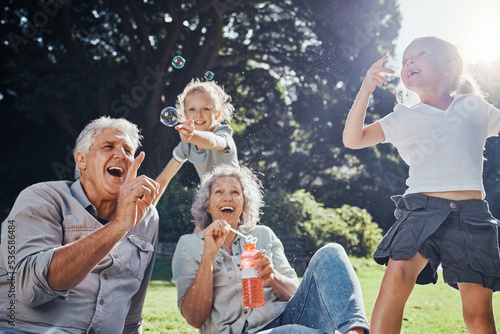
(186, 130)
(374, 77)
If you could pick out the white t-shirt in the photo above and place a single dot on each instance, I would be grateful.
(443, 148)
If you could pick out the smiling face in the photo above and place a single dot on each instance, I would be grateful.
(201, 108)
(422, 68)
(226, 200)
(105, 165)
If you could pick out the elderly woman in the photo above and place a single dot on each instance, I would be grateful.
(206, 270)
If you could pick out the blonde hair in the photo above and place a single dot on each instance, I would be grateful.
(462, 82)
(221, 98)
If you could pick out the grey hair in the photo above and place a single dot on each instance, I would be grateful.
(85, 139)
(252, 193)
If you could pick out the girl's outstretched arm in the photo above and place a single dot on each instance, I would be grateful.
(202, 139)
(165, 176)
(356, 134)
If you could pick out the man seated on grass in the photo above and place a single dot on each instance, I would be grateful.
(76, 257)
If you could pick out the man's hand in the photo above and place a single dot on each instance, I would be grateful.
(137, 193)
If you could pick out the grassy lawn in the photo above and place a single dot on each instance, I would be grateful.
(430, 309)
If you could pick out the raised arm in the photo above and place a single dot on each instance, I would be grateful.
(165, 176)
(356, 134)
(198, 299)
(71, 263)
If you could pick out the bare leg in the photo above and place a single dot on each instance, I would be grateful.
(477, 308)
(397, 284)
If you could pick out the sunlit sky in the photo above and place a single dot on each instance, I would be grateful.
(472, 25)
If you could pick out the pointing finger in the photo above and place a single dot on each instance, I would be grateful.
(381, 61)
(132, 170)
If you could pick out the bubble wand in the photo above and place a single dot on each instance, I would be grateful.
(248, 238)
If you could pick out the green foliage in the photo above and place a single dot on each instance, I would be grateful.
(349, 226)
(174, 210)
(299, 213)
(282, 213)
(292, 68)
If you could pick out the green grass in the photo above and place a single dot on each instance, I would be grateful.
(430, 309)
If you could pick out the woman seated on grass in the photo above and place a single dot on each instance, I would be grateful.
(206, 270)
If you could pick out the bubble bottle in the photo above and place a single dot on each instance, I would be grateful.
(253, 289)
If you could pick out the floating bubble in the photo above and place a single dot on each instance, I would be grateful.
(170, 116)
(178, 62)
(209, 75)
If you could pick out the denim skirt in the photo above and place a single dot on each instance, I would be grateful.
(462, 236)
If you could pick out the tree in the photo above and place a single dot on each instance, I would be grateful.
(300, 214)
(292, 67)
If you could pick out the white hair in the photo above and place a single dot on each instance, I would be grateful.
(86, 137)
(252, 193)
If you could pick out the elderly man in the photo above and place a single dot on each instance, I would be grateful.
(76, 257)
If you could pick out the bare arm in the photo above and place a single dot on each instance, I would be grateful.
(198, 299)
(202, 139)
(165, 176)
(356, 134)
(73, 262)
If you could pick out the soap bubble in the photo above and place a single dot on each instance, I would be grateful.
(170, 116)
(178, 62)
(209, 75)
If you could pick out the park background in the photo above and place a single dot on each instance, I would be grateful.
(293, 69)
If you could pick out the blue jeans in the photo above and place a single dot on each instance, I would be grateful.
(9, 331)
(328, 299)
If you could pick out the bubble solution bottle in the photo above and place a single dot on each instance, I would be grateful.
(253, 289)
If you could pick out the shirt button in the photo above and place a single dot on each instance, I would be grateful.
(246, 311)
(237, 254)
(105, 276)
(238, 264)
(453, 205)
(101, 301)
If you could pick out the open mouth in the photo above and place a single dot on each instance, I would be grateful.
(413, 72)
(115, 171)
(199, 122)
(227, 209)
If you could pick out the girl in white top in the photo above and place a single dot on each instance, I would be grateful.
(442, 213)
